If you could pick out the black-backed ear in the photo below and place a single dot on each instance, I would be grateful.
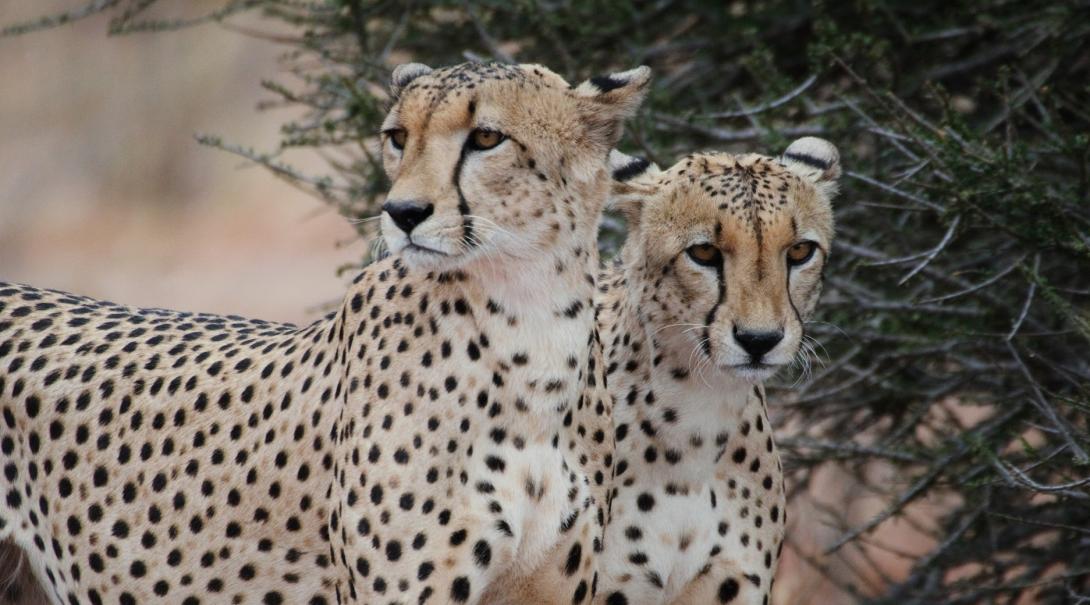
(624, 167)
(611, 99)
(815, 160)
(404, 74)
(633, 181)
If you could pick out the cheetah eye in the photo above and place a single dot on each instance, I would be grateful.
(705, 254)
(397, 137)
(484, 138)
(800, 253)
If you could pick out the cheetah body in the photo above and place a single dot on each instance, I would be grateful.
(698, 510)
(440, 438)
(152, 455)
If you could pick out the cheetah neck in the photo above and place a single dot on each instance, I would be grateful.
(460, 385)
(546, 286)
(529, 323)
(541, 311)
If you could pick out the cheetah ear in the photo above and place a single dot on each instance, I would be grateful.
(610, 99)
(404, 74)
(633, 181)
(815, 160)
(626, 167)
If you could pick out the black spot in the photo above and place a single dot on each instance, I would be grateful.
(458, 537)
(574, 556)
(459, 590)
(728, 590)
(482, 553)
(739, 455)
(393, 550)
(495, 464)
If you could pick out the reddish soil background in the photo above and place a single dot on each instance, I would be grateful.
(105, 192)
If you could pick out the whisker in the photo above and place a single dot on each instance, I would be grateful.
(360, 221)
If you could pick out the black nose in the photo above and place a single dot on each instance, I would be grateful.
(757, 343)
(408, 214)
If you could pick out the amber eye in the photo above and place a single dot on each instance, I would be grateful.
(483, 138)
(705, 254)
(800, 253)
(398, 136)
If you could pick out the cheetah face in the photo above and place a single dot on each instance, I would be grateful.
(730, 250)
(491, 162)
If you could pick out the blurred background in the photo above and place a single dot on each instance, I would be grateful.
(935, 443)
(104, 191)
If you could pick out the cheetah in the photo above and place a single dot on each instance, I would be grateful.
(445, 429)
(721, 267)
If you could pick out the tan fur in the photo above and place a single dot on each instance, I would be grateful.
(698, 510)
(707, 197)
(442, 437)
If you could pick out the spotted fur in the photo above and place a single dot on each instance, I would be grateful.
(443, 437)
(698, 509)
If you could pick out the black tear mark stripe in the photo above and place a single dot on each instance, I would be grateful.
(463, 205)
(791, 301)
(809, 160)
(633, 169)
(722, 296)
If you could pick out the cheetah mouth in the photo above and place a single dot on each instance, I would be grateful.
(415, 247)
(753, 370)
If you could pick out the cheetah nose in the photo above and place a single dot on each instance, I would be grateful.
(407, 214)
(757, 343)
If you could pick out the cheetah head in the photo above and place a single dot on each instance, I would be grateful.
(729, 252)
(492, 162)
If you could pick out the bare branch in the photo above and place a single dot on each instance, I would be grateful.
(777, 102)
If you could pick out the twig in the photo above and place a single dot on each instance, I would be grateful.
(725, 135)
(1041, 403)
(984, 284)
(359, 25)
(933, 252)
(1029, 301)
(917, 488)
(41, 23)
(1015, 476)
(895, 191)
(395, 36)
(486, 38)
(749, 111)
(1082, 530)
(847, 450)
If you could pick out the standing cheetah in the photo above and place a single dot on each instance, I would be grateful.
(444, 429)
(722, 265)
